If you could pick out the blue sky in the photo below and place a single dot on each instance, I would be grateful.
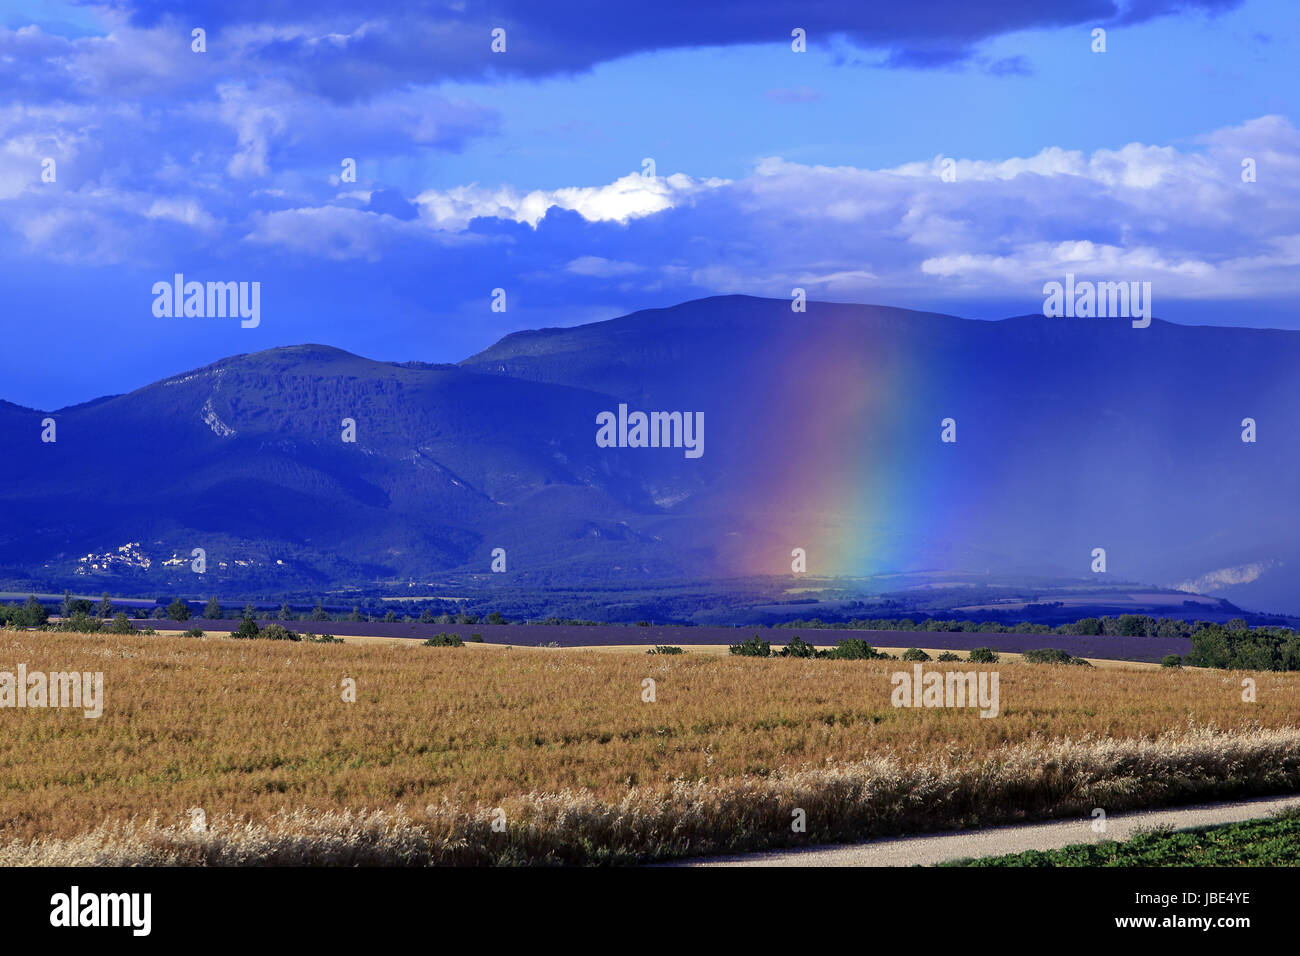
(522, 170)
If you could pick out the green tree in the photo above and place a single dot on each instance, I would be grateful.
(1288, 653)
(1136, 625)
(1252, 653)
(33, 613)
(285, 613)
(318, 613)
(1168, 628)
(247, 629)
(105, 605)
(356, 614)
(250, 612)
(213, 611)
(1210, 648)
(178, 610)
(65, 609)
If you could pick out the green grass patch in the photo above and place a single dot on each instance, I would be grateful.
(1274, 841)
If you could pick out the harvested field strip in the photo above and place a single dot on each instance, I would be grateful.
(844, 802)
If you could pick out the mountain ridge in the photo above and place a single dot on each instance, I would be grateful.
(823, 432)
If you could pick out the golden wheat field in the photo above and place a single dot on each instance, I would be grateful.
(257, 735)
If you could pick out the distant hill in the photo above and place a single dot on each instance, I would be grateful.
(822, 432)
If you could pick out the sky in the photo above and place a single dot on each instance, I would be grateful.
(937, 154)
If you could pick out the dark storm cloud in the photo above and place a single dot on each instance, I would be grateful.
(344, 49)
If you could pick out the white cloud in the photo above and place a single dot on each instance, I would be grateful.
(601, 268)
(1226, 577)
(186, 211)
(331, 232)
(631, 197)
(1182, 219)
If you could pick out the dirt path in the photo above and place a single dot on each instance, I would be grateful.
(938, 848)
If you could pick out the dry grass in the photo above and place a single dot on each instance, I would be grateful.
(256, 733)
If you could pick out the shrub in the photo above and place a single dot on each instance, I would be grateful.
(278, 632)
(193, 632)
(477, 638)
(247, 629)
(311, 638)
(915, 654)
(664, 649)
(752, 648)
(444, 640)
(122, 625)
(983, 655)
(855, 649)
(1052, 655)
(1171, 660)
(798, 648)
(948, 656)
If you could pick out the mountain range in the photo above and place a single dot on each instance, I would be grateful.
(823, 431)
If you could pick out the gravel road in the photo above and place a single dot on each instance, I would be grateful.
(937, 848)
